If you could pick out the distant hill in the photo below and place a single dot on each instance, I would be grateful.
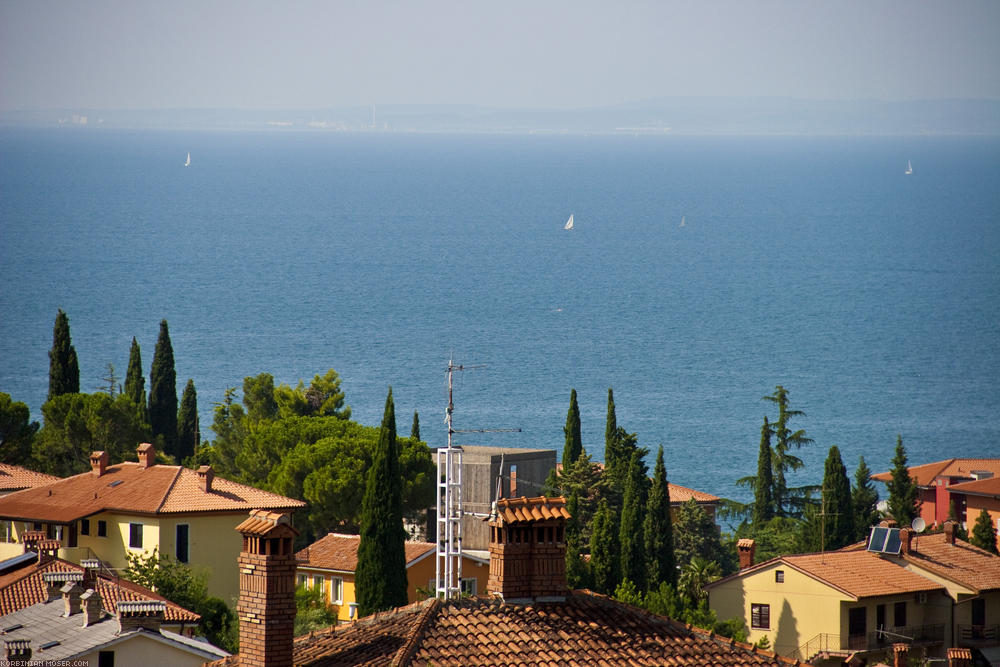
(681, 115)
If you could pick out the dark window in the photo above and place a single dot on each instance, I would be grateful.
(182, 542)
(979, 611)
(102, 528)
(106, 659)
(135, 535)
(85, 526)
(899, 614)
(37, 525)
(880, 617)
(856, 621)
(760, 616)
(779, 576)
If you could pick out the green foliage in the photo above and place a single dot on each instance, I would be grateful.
(188, 588)
(631, 537)
(783, 461)
(135, 382)
(864, 501)
(604, 552)
(697, 536)
(778, 537)
(984, 535)
(695, 575)
(577, 573)
(17, 431)
(763, 643)
(258, 399)
(574, 440)
(381, 570)
(837, 506)
(763, 488)
(187, 423)
(311, 611)
(163, 394)
(64, 367)
(230, 432)
(960, 532)
(629, 593)
(665, 601)
(322, 398)
(415, 427)
(903, 503)
(658, 530)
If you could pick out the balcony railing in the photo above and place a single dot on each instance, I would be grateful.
(818, 644)
(978, 635)
(910, 634)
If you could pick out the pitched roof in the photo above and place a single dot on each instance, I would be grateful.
(585, 629)
(979, 487)
(960, 562)
(928, 472)
(336, 551)
(15, 478)
(131, 488)
(24, 587)
(524, 510)
(682, 494)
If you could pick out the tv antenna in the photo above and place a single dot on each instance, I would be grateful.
(449, 497)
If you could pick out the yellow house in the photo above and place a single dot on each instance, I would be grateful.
(823, 607)
(329, 563)
(114, 510)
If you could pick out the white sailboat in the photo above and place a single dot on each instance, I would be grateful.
(188, 163)
(569, 223)
(909, 167)
(682, 222)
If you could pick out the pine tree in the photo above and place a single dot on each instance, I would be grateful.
(187, 423)
(783, 460)
(864, 500)
(984, 535)
(163, 393)
(135, 381)
(763, 503)
(381, 570)
(837, 509)
(574, 440)
(64, 368)
(604, 564)
(415, 427)
(658, 530)
(903, 503)
(576, 568)
(631, 536)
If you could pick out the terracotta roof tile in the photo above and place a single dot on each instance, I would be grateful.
(682, 494)
(960, 562)
(926, 473)
(861, 574)
(336, 551)
(979, 487)
(523, 510)
(14, 478)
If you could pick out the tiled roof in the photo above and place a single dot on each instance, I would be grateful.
(14, 478)
(979, 487)
(262, 522)
(682, 494)
(960, 562)
(336, 551)
(522, 510)
(928, 472)
(25, 587)
(585, 629)
(861, 574)
(129, 487)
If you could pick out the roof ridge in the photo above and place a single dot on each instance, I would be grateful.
(166, 494)
(405, 654)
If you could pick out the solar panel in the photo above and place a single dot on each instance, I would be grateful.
(877, 540)
(892, 542)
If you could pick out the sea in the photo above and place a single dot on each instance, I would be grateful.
(814, 263)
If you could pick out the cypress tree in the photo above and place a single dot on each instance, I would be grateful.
(576, 569)
(783, 460)
(604, 564)
(187, 423)
(763, 503)
(574, 441)
(984, 535)
(64, 368)
(631, 536)
(381, 570)
(415, 427)
(837, 508)
(612, 444)
(163, 393)
(135, 381)
(903, 504)
(659, 531)
(864, 500)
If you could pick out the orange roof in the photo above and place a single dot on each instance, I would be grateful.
(15, 478)
(339, 552)
(928, 472)
(24, 587)
(961, 562)
(979, 487)
(129, 487)
(523, 510)
(682, 494)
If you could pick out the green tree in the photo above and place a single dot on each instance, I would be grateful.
(188, 433)
(311, 611)
(229, 426)
(864, 500)
(163, 394)
(658, 531)
(574, 440)
(984, 535)
(381, 570)
(903, 491)
(135, 382)
(696, 535)
(615, 457)
(763, 487)
(415, 427)
(64, 368)
(695, 575)
(631, 536)
(17, 431)
(786, 501)
(837, 508)
(322, 398)
(259, 398)
(576, 567)
(605, 566)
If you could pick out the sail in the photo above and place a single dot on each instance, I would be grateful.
(909, 167)
(188, 163)
(569, 223)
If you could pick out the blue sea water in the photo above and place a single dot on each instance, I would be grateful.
(814, 263)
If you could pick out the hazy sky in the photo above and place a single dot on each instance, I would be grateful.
(138, 54)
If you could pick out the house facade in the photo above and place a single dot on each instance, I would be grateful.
(974, 497)
(934, 483)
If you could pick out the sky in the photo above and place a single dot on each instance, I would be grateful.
(308, 54)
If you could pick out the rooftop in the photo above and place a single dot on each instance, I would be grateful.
(928, 472)
(960, 562)
(980, 487)
(15, 478)
(336, 551)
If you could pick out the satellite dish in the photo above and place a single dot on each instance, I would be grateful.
(918, 524)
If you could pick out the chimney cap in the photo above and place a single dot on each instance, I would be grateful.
(530, 510)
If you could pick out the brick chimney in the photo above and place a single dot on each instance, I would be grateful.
(71, 592)
(90, 603)
(17, 651)
(98, 462)
(147, 455)
(746, 549)
(905, 541)
(528, 549)
(899, 655)
(949, 532)
(205, 477)
(91, 569)
(266, 607)
(959, 657)
(54, 581)
(140, 615)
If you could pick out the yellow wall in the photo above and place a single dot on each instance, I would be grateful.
(142, 650)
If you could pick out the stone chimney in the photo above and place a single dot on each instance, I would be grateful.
(17, 651)
(90, 605)
(54, 581)
(266, 607)
(30, 540)
(71, 591)
(528, 549)
(899, 655)
(91, 569)
(959, 657)
(140, 615)
(98, 462)
(205, 477)
(147, 455)
(949, 532)
(746, 549)
(905, 541)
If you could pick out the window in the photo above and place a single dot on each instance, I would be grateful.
(135, 535)
(336, 590)
(779, 576)
(102, 528)
(469, 586)
(978, 611)
(319, 582)
(301, 580)
(760, 616)
(181, 543)
(106, 659)
(6, 531)
(899, 614)
(85, 526)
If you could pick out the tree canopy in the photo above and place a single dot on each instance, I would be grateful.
(163, 394)
(574, 440)
(903, 493)
(64, 368)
